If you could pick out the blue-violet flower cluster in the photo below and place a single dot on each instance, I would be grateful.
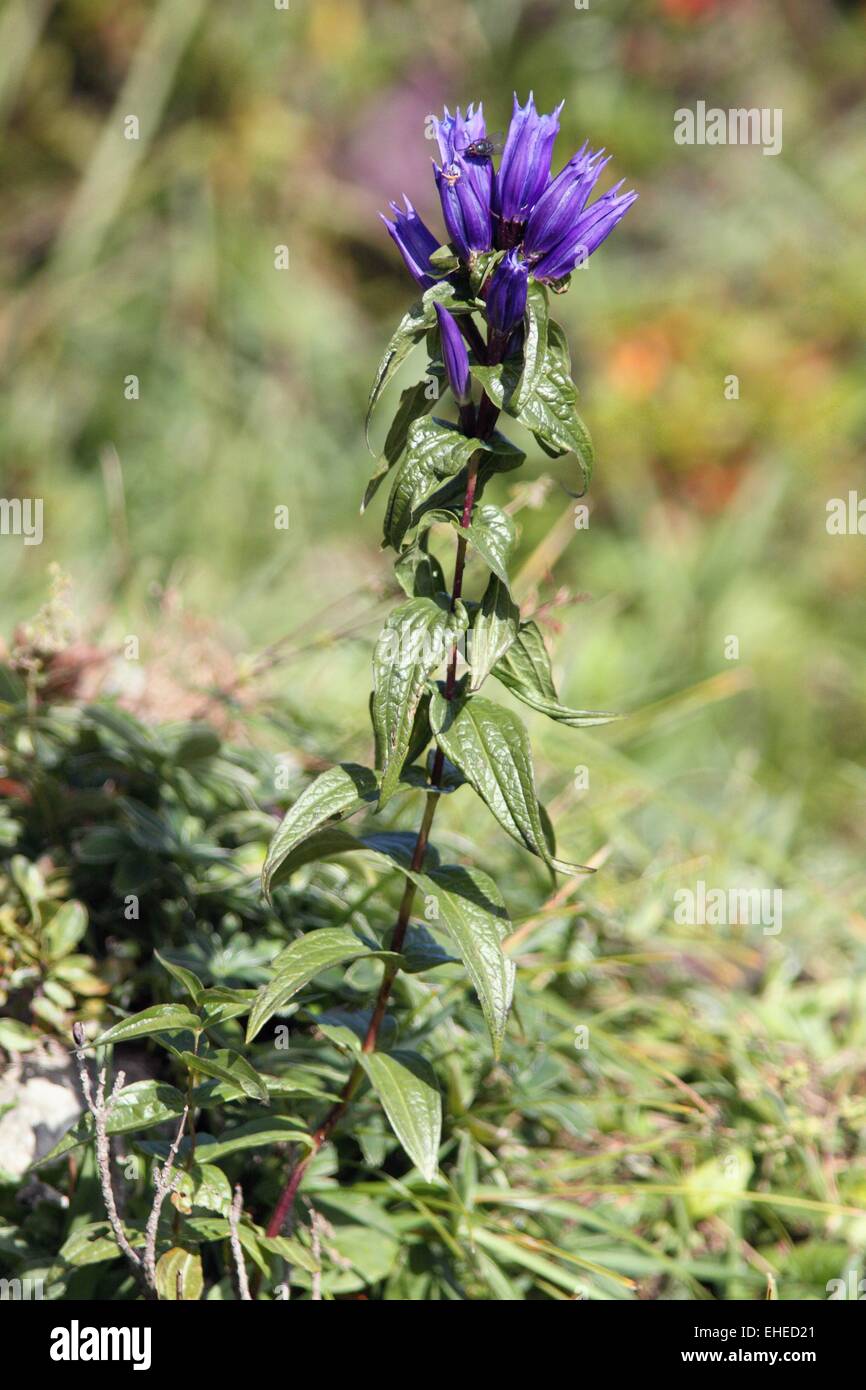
(545, 225)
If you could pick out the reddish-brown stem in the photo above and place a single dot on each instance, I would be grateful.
(481, 427)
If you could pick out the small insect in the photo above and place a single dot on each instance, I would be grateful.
(483, 149)
(451, 174)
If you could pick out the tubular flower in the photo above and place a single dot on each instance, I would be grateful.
(466, 215)
(457, 136)
(524, 172)
(506, 298)
(455, 356)
(465, 181)
(582, 235)
(562, 202)
(548, 226)
(414, 240)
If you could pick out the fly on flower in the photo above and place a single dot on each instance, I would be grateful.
(485, 148)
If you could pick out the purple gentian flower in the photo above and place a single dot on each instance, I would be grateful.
(415, 242)
(466, 216)
(455, 356)
(455, 135)
(547, 226)
(524, 171)
(562, 202)
(506, 297)
(584, 235)
(465, 182)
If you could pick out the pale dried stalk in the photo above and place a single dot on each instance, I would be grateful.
(100, 1108)
(237, 1253)
(164, 1184)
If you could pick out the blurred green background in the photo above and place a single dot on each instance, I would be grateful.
(154, 257)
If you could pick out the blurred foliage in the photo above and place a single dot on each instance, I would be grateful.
(715, 1057)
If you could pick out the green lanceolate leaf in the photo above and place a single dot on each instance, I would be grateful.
(494, 628)
(327, 843)
(300, 963)
(406, 1085)
(548, 408)
(161, 1018)
(471, 908)
(333, 796)
(411, 329)
(190, 981)
(257, 1134)
(534, 344)
(491, 534)
(421, 951)
(525, 671)
(139, 1106)
(415, 402)
(220, 1004)
(498, 455)
(491, 748)
(419, 573)
(225, 1065)
(436, 451)
(332, 841)
(416, 639)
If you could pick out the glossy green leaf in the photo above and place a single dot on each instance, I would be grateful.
(300, 963)
(419, 573)
(258, 1134)
(160, 1018)
(323, 844)
(470, 907)
(220, 1004)
(225, 1065)
(548, 407)
(525, 671)
(407, 1087)
(491, 747)
(535, 338)
(421, 951)
(416, 639)
(190, 981)
(491, 534)
(415, 402)
(348, 1028)
(494, 628)
(94, 1244)
(436, 451)
(139, 1106)
(211, 1188)
(333, 796)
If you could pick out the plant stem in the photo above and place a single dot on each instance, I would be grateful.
(481, 426)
